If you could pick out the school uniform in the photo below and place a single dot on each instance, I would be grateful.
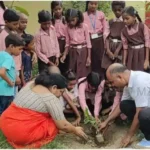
(116, 25)
(135, 40)
(78, 41)
(99, 30)
(96, 97)
(46, 47)
(2, 22)
(3, 35)
(73, 94)
(61, 35)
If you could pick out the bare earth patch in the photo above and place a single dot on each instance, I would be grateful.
(112, 139)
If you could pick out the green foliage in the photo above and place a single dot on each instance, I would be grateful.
(18, 8)
(147, 6)
(3, 143)
(80, 5)
(35, 70)
(22, 10)
(88, 119)
(105, 6)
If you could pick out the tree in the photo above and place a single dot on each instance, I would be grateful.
(80, 5)
(18, 8)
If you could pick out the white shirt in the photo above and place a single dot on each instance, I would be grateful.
(138, 89)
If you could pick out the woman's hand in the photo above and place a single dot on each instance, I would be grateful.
(77, 121)
(79, 132)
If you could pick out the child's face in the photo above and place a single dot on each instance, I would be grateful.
(30, 46)
(45, 25)
(128, 20)
(117, 9)
(92, 88)
(58, 11)
(92, 6)
(14, 25)
(16, 50)
(73, 21)
(71, 84)
(23, 24)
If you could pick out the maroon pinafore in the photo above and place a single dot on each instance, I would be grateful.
(115, 34)
(135, 57)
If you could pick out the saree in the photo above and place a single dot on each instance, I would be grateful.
(25, 128)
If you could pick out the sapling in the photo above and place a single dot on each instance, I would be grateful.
(88, 119)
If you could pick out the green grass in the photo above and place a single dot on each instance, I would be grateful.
(35, 70)
(3, 143)
(56, 144)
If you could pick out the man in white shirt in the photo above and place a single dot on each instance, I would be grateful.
(135, 103)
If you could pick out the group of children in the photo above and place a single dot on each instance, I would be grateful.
(82, 45)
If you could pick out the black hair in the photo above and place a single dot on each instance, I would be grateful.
(10, 15)
(14, 39)
(44, 16)
(2, 5)
(120, 3)
(86, 7)
(132, 12)
(27, 38)
(71, 13)
(46, 79)
(70, 75)
(93, 79)
(53, 5)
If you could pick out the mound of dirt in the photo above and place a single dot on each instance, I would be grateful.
(113, 138)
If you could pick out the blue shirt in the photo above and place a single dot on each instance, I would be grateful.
(7, 62)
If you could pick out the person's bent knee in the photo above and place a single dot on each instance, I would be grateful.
(128, 108)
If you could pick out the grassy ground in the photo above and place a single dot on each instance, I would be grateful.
(56, 144)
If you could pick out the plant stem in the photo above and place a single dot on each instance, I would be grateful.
(12, 4)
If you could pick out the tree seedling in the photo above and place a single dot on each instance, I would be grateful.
(88, 119)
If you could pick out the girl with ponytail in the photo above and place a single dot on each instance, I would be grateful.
(135, 38)
(78, 44)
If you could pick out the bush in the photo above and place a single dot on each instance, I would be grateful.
(104, 6)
